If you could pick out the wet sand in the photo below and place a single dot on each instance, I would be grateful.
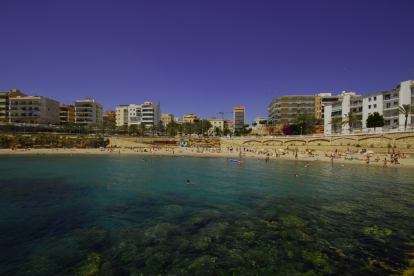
(192, 152)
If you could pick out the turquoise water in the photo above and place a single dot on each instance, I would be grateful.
(111, 215)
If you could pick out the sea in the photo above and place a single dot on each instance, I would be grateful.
(119, 215)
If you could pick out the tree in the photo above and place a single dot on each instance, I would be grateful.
(335, 122)
(263, 122)
(254, 124)
(112, 129)
(305, 122)
(133, 129)
(204, 125)
(217, 130)
(288, 130)
(189, 128)
(142, 127)
(103, 128)
(375, 120)
(153, 128)
(406, 110)
(160, 127)
(125, 129)
(352, 120)
(227, 131)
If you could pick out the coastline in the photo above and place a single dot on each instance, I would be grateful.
(191, 152)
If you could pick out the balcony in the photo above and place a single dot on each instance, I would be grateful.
(24, 103)
(83, 110)
(390, 106)
(390, 97)
(356, 103)
(83, 105)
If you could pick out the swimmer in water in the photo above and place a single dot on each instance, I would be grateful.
(295, 175)
(188, 183)
(307, 164)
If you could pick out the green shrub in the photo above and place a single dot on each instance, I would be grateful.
(348, 144)
(319, 144)
(389, 146)
(358, 145)
(408, 146)
(372, 145)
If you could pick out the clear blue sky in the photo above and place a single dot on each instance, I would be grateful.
(203, 56)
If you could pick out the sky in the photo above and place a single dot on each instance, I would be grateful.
(203, 57)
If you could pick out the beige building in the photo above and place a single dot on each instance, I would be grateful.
(67, 114)
(109, 118)
(167, 118)
(34, 110)
(191, 118)
(220, 123)
(88, 112)
(230, 124)
(5, 101)
(122, 115)
(239, 117)
(282, 110)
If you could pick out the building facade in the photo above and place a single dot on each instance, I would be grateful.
(257, 121)
(282, 110)
(191, 118)
(220, 123)
(5, 103)
(151, 113)
(385, 103)
(88, 112)
(167, 118)
(239, 117)
(109, 118)
(122, 115)
(66, 114)
(33, 110)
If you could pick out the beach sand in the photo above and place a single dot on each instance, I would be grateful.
(192, 152)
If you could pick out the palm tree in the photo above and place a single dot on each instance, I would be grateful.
(160, 127)
(406, 110)
(125, 129)
(352, 120)
(217, 130)
(335, 122)
(189, 128)
(133, 129)
(142, 127)
(153, 128)
(306, 121)
(103, 128)
(112, 129)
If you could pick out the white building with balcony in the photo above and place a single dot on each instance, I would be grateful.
(150, 113)
(385, 103)
(34, 110)
(88, 112)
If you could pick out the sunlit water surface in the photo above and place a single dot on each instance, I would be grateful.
(111, 215)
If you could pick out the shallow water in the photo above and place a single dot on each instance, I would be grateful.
(113, 215)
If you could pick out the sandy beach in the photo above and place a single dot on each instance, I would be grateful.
(192, 152)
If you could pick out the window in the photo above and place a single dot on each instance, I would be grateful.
(369, 99)
(395, 95)
(375, 106)
(375, 98)
(387, 97)
(387, 122)
(396, 121)
(388, 105)
(369, 107)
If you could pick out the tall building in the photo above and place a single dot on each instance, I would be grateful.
(134, 114)
(282, 110)
(109, 118)
(33, 110)
(151, 113)
(326, 98)
(167, 118)
(384, 102)
(5, 101)
(88, 112)
(239, 117)
(67, 114)
(122, 115)
(191, 118)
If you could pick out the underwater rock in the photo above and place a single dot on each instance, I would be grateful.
(90, 236)
(123, 251)
(204, 263)
(38, 266)
(215, 231)
(377, 232)
(95, 264)
(172, 210)
(159, 233)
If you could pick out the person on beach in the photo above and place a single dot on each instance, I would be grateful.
(385, 163)
(295, 175)
(367, 162)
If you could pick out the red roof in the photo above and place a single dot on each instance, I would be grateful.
(239, 107)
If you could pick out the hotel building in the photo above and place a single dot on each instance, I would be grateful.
(239, 117)
(122, 115)
(282, 110)
(67, 114)
(88, 112)
(33, 110)
(220, 123)
(385, 103)
(191, 118)
(5, 101)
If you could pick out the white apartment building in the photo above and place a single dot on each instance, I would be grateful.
(385, 103)
(122, 115)
(34, 110)
(257, 120)
(88, 112)
(148, 113)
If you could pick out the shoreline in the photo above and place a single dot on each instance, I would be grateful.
(406, 163)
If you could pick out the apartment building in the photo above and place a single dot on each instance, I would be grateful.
(384, 102)
(230, 124)
(151, 113)
(282, 110)
(191, 118)
(220, 123)
(67, 114)
(326, 98)
(122, 115)
(257, 121)
(109, 118)
(88, 112)
(33, 110)
(239, 117)
(5, 101)
(167, 118)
